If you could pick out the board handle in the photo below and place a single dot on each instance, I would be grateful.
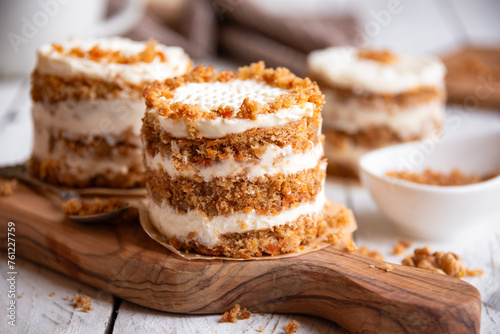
(352, 291)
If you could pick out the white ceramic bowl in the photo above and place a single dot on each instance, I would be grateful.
(436, 212)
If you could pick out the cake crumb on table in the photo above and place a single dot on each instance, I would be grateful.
(7, 187)
(101, 55)
(83, 302)
(235, 314)
(400, 247)
(291, 327)
(20, 296)
(261, 329)
(52, 294)
(474, 272)
(444, 263)
(374, 254)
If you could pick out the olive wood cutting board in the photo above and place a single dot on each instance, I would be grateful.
(330, 283)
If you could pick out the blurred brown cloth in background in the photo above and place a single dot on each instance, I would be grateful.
(243, 31)
(251, 34)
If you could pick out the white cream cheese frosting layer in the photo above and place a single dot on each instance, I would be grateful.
(209, 96)
(91, 118)
(51, 62)
(352, 116)
(172, 224)
(82, 168)
(341, 66)
(274, 160)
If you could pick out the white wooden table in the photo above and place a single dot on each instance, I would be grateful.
(421, 26)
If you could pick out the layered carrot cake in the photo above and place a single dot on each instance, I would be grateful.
(234, 161)
(88, 106)
(375, 99)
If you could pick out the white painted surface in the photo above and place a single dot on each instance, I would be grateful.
(39, 312)
(136, 319)
(422, 26)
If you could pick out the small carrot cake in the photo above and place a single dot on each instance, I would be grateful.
(88, 106)
(375, 99)
(234, 161)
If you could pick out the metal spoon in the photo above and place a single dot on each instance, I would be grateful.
(19, 172)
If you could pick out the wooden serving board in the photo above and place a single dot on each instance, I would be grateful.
(121, 259)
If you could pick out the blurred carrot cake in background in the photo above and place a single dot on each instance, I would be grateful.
(375, 99)
(234, 161)
(88, 106)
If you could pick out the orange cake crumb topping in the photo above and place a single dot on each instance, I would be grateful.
(384, 56)
(291, 327)
(100, 55)
(455, 178)
(74, 207)
(235, 314)
(159, 94)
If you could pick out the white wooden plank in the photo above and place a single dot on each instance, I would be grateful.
(37, 312)
(136, 319)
